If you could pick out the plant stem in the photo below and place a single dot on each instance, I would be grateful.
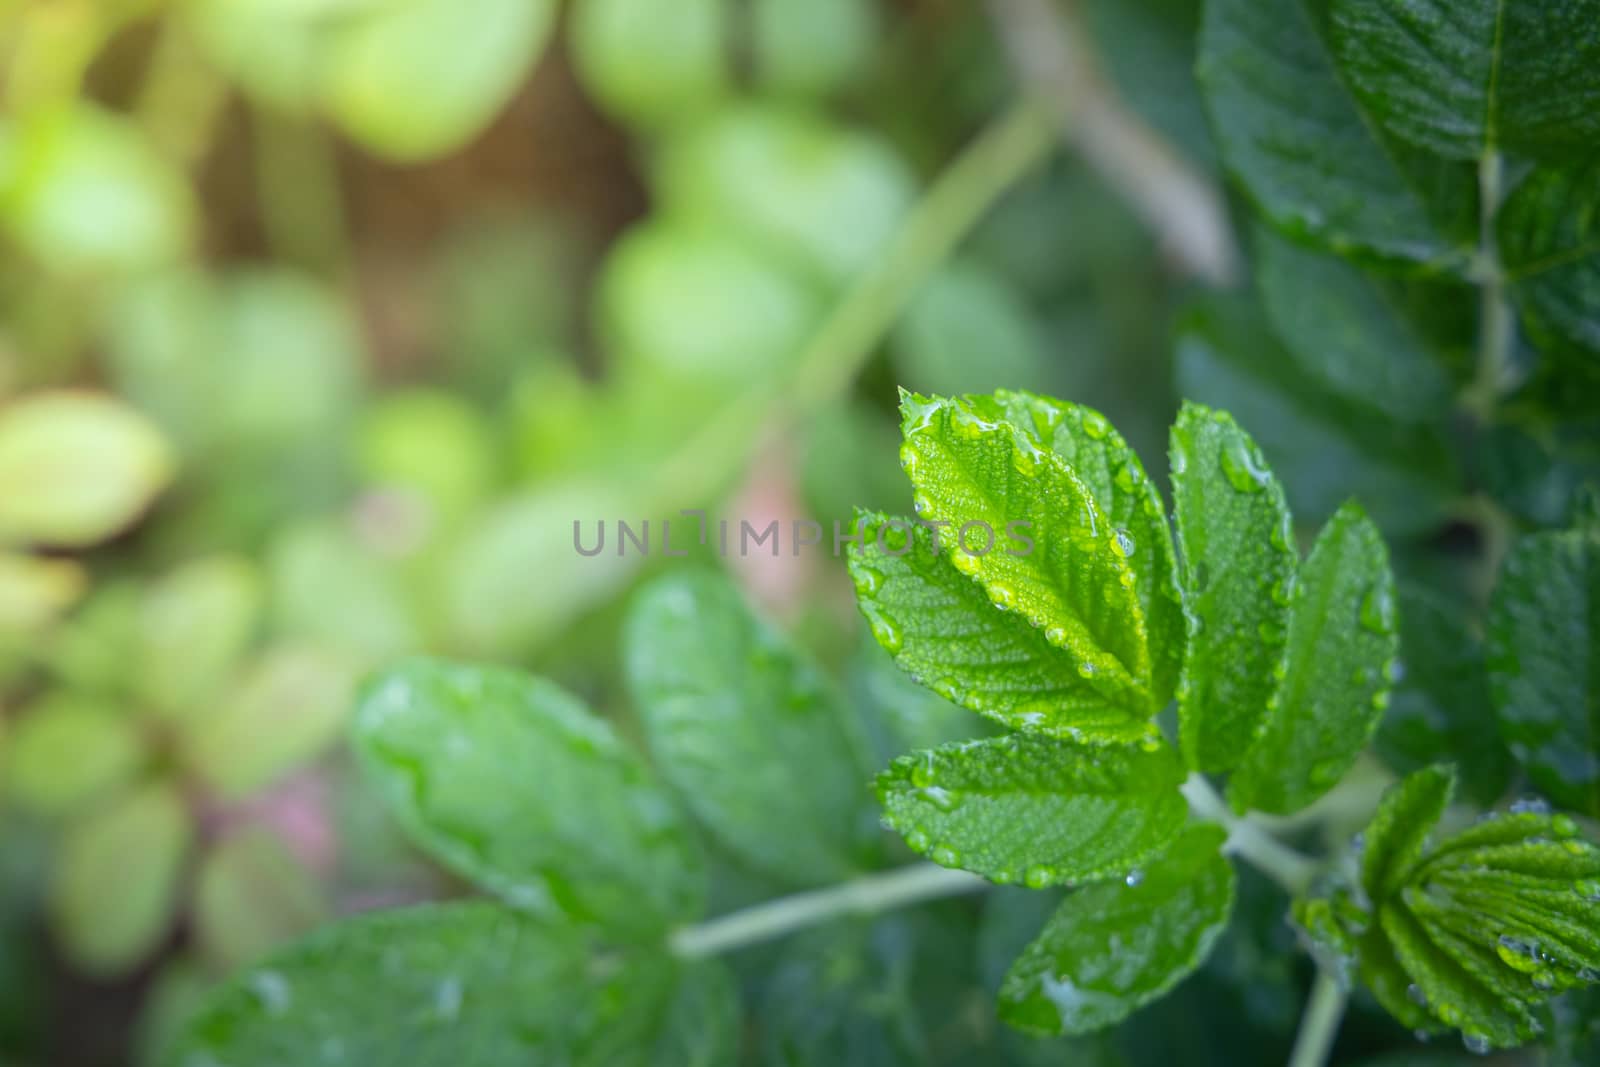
(957, 201)
(863, 896)
(1320, 1023)
(1496, 326)
(1277, 861)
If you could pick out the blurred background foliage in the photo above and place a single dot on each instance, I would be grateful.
(322, 320)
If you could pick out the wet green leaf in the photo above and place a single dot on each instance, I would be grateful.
(251, 895)
(1036, 810)
(943, 630)
(1310, 155)
(114, 893)
(512, 783)
(1068, 573)
(748, 731)
(1235, 538)
(1343, 640)
(427, 985)
(1100, 457)
(1470, 76)
(76, 468)
(1394, 841)
(66, 751)
(1544, 658)
(470, 58)
(1111, 948)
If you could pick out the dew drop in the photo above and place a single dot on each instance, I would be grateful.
(1530, 806)
(1134, 879)
(885, 630)
(922, 771)
(1280, 535)
(1125, 542)
(1038, 876)
(908, 459)
(1126, 478)
(868, 580)
(1085, 669)
(1095, 425)
(1377, 609)
(1056, 635)
(917, 841)
(922, 503)
(1477, 1044)
(1243, 470)
(1283, 591)
(1002, 595)
(1416, 995)
(945, 856)
(942, 798)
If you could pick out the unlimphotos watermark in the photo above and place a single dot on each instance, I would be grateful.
(743, 538)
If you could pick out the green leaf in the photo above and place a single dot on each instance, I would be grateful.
(1322, 445)
(747, 730)
(1483, 926)
(250, 895)
(114, 893)
(1548, 234)
(900, 714)
(1111, 948)
(84, 191)
(417, 80)
(512, 783)
(67, 750)
(1440, 708)
(1544, 662)
(1036, 810)
(1393, 842)
(329, 586)
(1350, 333)
(1239, 564)
(195, 624)
(648, 64)
(943, 630)
(1310, 155)
(1343, 640)
(36, 591)
(76, 468)
(1071, 578)
(827, 198)
(461, 982)
(1099, 456)
(1464, 77)
(285, 709)
(815, 48)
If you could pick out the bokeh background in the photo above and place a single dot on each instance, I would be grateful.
(322, 321)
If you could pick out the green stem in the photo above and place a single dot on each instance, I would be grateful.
(960, 198)
(864, 896)
(1320, 1023)
(1260, 849)
(1496, 326)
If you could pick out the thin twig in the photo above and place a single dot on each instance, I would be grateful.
(1054, 60)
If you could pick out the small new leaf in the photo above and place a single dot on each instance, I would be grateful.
(985, 479)
(747, 730)
(1239, 565)
(1112, 947)
(1482, 928)
(1036, 810)
(512, 783)
(1342, 646)
(943, 631)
